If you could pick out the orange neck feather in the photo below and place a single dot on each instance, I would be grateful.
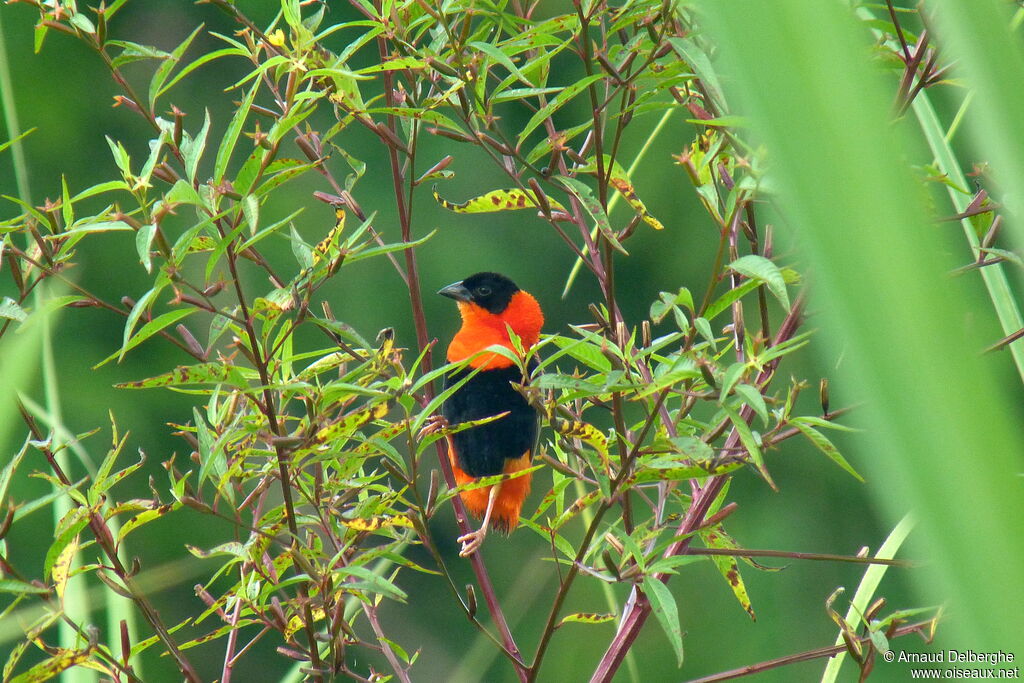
(481, 328)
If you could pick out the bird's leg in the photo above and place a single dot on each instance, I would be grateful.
(434, 423)
(472, 541)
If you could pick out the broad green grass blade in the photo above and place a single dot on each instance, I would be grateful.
(994, 276)
(938, 140)
(978, 37)
(866, 590)
(940, 435)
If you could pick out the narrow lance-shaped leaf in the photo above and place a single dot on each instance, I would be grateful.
(664, 607)
(496, 200)
(761, 269)
(729, 567)
(554, 105)
(587, 618)
(201, 373)
(376, 523)
(825, 445)
(594, 208)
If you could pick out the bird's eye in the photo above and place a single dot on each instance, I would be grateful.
(483, 291)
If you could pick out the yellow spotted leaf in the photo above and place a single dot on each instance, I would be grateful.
(497, 479)
(328, 246)
(62, 567)
(578, 506)
(50, 668)
(296, 623)
(375, 523)
(587, 618)
(496, 200)
(202, 373)
(587, 433)
(144, 518)
(625, 188)
(383, 436)
(729, 567)
(353, 421)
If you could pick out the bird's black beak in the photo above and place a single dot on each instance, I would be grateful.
(456, 291)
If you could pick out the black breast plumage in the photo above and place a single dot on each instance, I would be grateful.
(481, 451)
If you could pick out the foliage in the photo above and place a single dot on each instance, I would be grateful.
(310, 456)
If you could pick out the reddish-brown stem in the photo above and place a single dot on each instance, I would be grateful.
(423, 341)
(105, 539)
(805, 656)
(638, 608)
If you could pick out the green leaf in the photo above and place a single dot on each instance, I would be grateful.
(394, 65)
(372, 582)
(732, 375)
(144, 518)
(824, 445)
(137, 311)
(594, 208)
(227, 145)
(761, 269)
(192, 150)
(682, 469)
(501, 58)
(723, 302)
(555, 104)
(143, 241)
(164, 70)
(585, 352)
(49, 668)
(204, 59)
(663, 604)
(82, 23)
(749, 442)
(753, 398)
(20, 587)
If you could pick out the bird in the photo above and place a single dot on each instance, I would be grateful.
(491, 305)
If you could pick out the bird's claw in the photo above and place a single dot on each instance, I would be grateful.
(433, 424)
(471, 542)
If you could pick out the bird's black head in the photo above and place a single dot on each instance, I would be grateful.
(490, 291)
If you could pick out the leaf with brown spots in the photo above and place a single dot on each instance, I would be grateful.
(144, 518)
(62, 567)
(728, 566)
(578, 506)
(497, 479)
(375, 523)
(687, 469)
(201, 373)
(218, 633)
(587, 618)
(625, 188)
(352, 421)
(587, 433)
(45, 670)
(296, 622)
(328, 246)
(496, 200)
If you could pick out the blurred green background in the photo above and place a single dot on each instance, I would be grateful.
(66, 93)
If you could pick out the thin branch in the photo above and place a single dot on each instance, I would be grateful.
(806, 656)
(819, 557)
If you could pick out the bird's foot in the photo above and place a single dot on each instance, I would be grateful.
(472, 541)
(433, 424)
